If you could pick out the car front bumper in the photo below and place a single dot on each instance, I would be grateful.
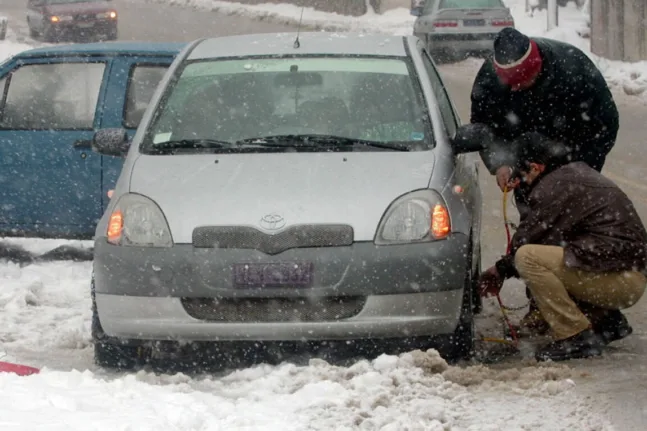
(75, 28)
(360, 291)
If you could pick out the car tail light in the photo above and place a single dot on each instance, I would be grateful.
(503, 23)
(445, 23)
(115, 226)
(440, 225)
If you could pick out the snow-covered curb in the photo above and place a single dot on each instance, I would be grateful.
(397, 21)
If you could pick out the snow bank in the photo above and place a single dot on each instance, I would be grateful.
(396, 21)
(413, 391)
(9, 48)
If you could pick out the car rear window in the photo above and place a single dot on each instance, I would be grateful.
(375, 99)
(470, 4)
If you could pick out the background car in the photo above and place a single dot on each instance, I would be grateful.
(56, 97)
(455, 28)
(54, 20)
(280, 195)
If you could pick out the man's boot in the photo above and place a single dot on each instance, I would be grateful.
(533, 323)
(586, 344)
(610, 325)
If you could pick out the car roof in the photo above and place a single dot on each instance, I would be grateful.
(311, 43)
(105, 48)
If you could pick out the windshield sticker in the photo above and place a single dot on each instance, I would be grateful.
(417, 136)
(161, 137)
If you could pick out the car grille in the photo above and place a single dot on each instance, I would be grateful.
(85, 17)
(324, 309)
(243, 237)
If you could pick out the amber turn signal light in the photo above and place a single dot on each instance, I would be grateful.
(115, 226)
(440, 225)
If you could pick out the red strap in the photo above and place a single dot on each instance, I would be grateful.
(21, 370)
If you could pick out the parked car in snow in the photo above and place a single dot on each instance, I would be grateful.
(458, 27)
(56, 19)
(55, 99)
(282, 194)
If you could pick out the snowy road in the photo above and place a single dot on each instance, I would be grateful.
(45, 322)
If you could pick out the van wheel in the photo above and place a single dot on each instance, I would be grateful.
(113, 353)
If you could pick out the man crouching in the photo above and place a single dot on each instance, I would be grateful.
(581, 250)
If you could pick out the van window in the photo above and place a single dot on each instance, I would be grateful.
(142, 83)
(52, 96)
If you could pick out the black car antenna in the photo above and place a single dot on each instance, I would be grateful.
(297, 44)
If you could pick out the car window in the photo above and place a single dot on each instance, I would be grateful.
(142, 83)
(446, 110)
(375, 99)
(428, 6)
(52, 96)
(469, 4)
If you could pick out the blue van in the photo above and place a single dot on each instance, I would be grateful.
(54, 99)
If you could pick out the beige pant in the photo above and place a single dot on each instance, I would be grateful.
(551, 283)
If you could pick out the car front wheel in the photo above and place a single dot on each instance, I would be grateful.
(113, 353)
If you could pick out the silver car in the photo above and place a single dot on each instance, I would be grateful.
(286, 190)
(455, 28)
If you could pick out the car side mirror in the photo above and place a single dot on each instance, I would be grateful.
(416, 11)
(471, 138)
(111, 142)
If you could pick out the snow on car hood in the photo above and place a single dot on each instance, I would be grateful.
(241, 189)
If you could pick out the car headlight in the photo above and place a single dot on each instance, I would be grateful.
(137, 221)
(59, 18)
(106, 15)
(418, 216)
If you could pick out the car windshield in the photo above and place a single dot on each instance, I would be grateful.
(350, 98)
(470, 4)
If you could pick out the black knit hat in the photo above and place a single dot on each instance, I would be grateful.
(510, 46)
(533, 147)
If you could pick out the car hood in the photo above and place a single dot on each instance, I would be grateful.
(241, 189)
(78, 8)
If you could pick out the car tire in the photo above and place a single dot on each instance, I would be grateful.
(110, 352)
(113, 34)
(32, 33)
(48, 35)
(460, 344)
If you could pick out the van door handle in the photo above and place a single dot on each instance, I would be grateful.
(83, 143)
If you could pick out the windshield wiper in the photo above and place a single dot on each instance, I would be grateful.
(189, 144)
(314, 141)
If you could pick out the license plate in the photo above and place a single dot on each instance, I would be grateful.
(473, 22)
(86, 25)
(297, 274)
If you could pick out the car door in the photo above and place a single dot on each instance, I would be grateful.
(466, 167)
(50, 180)
(35, 14)
(132, 84)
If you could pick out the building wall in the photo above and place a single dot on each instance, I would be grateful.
(619, 29)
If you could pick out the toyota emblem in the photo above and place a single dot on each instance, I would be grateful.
(272, 222)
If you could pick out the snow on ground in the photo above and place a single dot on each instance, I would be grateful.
(9, 48)
(45, 320)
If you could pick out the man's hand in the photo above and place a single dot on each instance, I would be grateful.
(490, 282)
(503, 175)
